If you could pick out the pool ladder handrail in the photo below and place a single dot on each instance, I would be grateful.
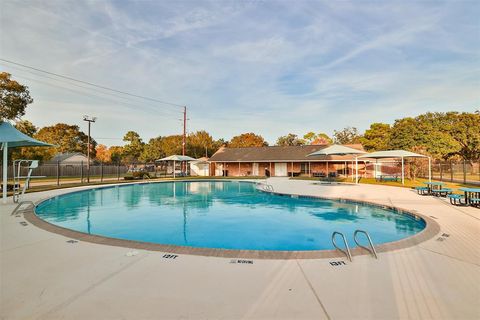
(372, 247)
(347, 249)
(266, 187)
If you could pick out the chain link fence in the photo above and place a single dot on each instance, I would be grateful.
(462, 172)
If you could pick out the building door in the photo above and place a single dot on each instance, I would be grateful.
(280, 169)
(255, 169)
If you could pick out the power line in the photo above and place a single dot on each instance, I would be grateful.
(166, 113)
(91, 84)
(111, 94)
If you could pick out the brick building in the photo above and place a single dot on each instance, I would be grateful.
(283, 161)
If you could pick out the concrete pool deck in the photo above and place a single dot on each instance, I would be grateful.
(42, 276)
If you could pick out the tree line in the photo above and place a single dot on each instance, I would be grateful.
(441, 135)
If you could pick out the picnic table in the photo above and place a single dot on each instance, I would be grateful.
(387, 178)
(472, 196)
(433, 185)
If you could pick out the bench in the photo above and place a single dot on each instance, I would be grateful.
(456, 199)
(442, 192)
(387, 178)
(422, 190)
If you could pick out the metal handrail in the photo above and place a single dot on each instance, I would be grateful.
(21, 203)
(371, 249)
(347, 252)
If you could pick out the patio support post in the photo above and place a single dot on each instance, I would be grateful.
(356, 170)
(327, 168)
(352, 170)
(375, 169)
(403, 172)
(309, 170)
(239, 168)
(174, 170)
(430, 169)
(270, 169)
(5, 169)
(291, 166)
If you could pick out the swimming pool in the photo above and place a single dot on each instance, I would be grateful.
(221, 214)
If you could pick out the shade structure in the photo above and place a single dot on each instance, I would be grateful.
(10, 137)
(402, 154)
(339, 150)
(176, 158)
(336, 149)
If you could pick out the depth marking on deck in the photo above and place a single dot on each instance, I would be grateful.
(338, 263)
(169, 256)
(241, 261)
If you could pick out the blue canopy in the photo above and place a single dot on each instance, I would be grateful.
(10, 137)
(15, 138)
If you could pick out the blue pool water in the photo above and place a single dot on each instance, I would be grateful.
(229, 215)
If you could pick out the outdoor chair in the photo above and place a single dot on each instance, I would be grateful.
(456, 199)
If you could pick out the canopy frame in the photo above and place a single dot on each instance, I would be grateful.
(399, 154)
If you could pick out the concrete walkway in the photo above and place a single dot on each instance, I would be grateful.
(43, 276)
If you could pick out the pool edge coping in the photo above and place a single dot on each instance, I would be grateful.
(431, 229)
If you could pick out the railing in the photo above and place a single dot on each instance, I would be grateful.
(371, 249)
(347, 249)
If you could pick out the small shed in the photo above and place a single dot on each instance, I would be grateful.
(200, 167)
(69, 158)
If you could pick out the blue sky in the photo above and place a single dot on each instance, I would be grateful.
(271, 67)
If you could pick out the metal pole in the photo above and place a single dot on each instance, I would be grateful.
(58, 173)
(464, 171)
(403, 173)
(88, 153)
(5, 172)
(81, 171)
(356, 170)
(430, 169)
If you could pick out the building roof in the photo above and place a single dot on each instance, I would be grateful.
(60, 157)
(277, 153)
(393, 154)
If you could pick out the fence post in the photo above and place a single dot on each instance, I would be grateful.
(81, 171)
(441, 171)
(58, 173)
(101, 171)
(464, 171)
(451, 171)
(118, 171)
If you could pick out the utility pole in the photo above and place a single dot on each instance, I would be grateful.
(89, 120)
(184, 130)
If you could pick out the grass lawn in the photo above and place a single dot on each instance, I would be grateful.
(408, 183)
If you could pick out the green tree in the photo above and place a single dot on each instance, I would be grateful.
(66, 138)
(31, 153)
(290, 140)
(317, 139)
(348, 135)
(134, 147)
(153, 150)
(464, 128)
(247, 140)
(14, 98)
(428, 130)
(377, 137)
(116, 154)
(200, 144)
(172, 145)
